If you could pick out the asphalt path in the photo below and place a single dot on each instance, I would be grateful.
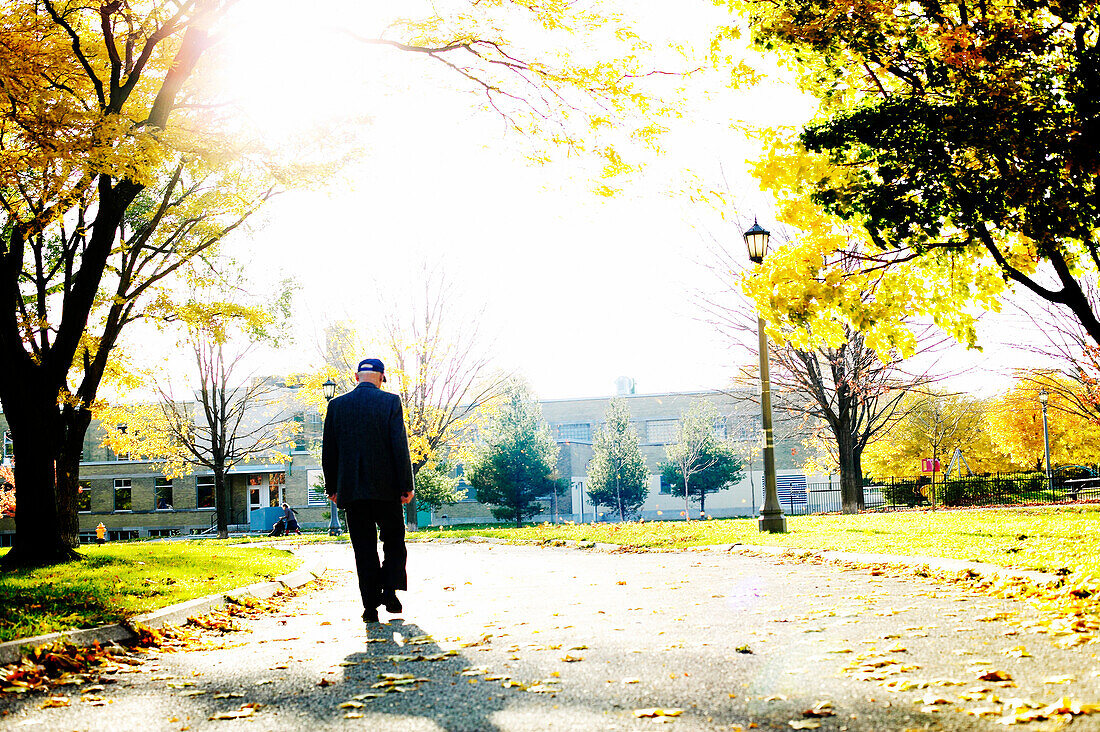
(498, 637)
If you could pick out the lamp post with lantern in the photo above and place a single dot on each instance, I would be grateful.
(1043, 396)
(329, 390)
(771, 518)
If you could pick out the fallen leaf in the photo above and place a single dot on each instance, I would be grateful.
(995, 676)
(246, 710)
(1059, 679)
(657, 712)
(804, 724)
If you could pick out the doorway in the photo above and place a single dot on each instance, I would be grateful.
(266, 490)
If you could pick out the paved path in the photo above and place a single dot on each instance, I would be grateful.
(647, 630)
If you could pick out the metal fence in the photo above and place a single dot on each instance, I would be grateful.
(995, 489)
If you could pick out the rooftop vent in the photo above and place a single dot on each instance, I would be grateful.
(624, 386)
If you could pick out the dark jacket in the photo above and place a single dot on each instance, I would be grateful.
(364, 450)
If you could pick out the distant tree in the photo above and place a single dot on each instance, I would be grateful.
(1016, 422)
(934, 426)
(617, 473)
(842, 390)
(723, 467)
(698, 462)
(436, 488)
(232, 419)
(515, 465)
(437, 361)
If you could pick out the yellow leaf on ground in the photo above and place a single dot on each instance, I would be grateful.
(657, 712)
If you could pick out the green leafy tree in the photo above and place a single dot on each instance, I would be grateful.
(515, 466)
(617, 473)
(698, 462)
(436, 488)
(722, 467)
(960, 139)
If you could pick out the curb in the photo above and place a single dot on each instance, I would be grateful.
(12, 651)
(982, 569)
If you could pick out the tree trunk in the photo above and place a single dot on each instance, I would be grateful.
(37, 434)
(702, 503)
(619, 499)
(851, 473)
(75, 425)
(221, 501)
(687, 499)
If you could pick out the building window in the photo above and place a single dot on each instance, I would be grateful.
(122, 495)
(204, 491)
(666, 487)
(84, 496)
(301, 440)
(746, 428)
(9, 447)
(720, 428)
(315, 488)
(661, 431)
(276, 489)
(162, 493)
(581, 431)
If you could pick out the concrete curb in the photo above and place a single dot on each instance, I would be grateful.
(933, 563)
(177, 614)
(983, 569)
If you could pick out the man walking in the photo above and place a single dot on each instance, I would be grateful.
(368, 473)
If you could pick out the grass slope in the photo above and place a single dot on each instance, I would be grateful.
(1053, 536)
(116, 581)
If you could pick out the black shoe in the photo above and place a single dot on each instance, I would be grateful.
(370, 615)
(390, 602)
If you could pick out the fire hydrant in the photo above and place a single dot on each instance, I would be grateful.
(100, 533)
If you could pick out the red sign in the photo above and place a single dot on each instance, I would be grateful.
(927, 467)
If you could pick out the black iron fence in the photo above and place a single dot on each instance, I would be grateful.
(1066, 485)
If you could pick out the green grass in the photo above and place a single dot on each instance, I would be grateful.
(116, 581)
(1057, 536)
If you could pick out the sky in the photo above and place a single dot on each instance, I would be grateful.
(571, 290)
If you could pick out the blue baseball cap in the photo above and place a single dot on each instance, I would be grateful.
(372, 365)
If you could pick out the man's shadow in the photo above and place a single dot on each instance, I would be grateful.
(395, 650)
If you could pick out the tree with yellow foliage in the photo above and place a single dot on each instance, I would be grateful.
(957, 140)
(117, 170)
(1016, 424)
(436, 360)
(232, 418)
(934, 426)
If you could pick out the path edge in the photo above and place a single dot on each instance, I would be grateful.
(312, 568)
(981, 569)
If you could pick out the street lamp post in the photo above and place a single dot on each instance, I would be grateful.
(329, 390)
(771, 518)
(1046, 439)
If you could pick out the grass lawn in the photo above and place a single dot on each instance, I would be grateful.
(115, 581)
(1056, 536)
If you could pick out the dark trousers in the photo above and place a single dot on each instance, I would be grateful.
(389, 517)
